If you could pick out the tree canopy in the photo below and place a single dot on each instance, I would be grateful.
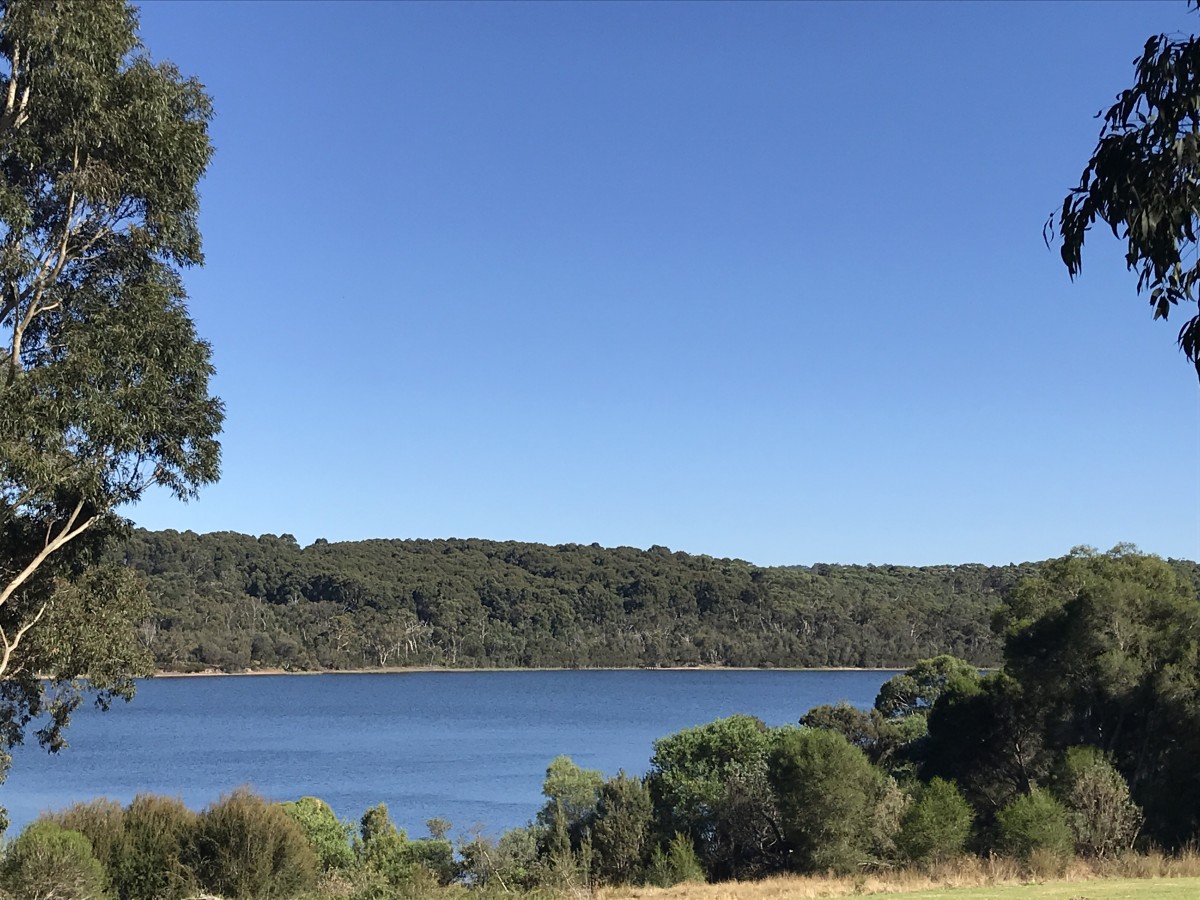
(1143, 182)
(232, 602)
(103, 380)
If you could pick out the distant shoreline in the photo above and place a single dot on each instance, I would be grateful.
(401, 670)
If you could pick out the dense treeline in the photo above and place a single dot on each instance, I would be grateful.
(232, 601)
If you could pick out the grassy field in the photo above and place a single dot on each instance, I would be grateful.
(914, 887)
(1116, 889)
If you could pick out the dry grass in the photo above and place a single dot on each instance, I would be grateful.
(968, 872)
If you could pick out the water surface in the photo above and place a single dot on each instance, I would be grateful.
(471, 747)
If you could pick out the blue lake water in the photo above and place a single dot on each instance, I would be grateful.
(471, 747)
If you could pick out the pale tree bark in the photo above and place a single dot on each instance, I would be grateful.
(75, 525)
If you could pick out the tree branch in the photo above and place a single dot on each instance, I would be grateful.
(68, 533)
(16, 113)
(10, 647)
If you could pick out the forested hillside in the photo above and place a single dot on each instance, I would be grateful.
(231, 601)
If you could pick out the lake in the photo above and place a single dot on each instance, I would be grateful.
(471, 747)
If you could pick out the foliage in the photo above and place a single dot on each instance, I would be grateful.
(49, 862)
(886, 742)
(987, 737)
(936, 826)
(158, 832)
(249, 849)
(510, 863)
(1103, 817)
(710, 784)
(828, 792)
(571, 794)
(678, 864)
(328, 835)
(1105, 647)
(384, 847)
(102, 822)
(621, 831)
(142, 847)
(916, 691)
(1035, 822)
(387, 851)
(1143, 181)
(435, 856)
(103, 381)
(229, 601)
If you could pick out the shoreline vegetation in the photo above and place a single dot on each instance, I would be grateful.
(246, 848)
(234, 603)
(414, 670)
(231, 602)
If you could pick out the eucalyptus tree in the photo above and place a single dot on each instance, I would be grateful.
(103, 380)
(1143, 182)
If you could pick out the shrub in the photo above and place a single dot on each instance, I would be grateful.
(328, 835)
(49, 862)
(710, 783)
(827, 792)
(414, 866)
(436, 856)
(102, 822)
(152, 865)
(141, 847)
(571, 794)
(887, 806)
(936, 826)
(510, 863)
(249, 849)
(621, 833)
(1104, 819)
(357, 883)
(677, 865)
(384, 847)
(1035, 822)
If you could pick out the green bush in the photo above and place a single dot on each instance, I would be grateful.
(828, 794)
(328, 835)
(511, 863)
(249, 849)
(153, 861)
(49, 862)
(1103, 817)
(937, 825)
(678, 864)
(710, 783)
(436, 855)
(621, 833)
(384, 848)
(102, 822)
(1035, 823)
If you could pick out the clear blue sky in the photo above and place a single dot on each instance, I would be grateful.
(752, 280)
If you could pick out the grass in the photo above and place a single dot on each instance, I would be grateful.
(1152, 876)
(795, 888)
(1114, 889)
